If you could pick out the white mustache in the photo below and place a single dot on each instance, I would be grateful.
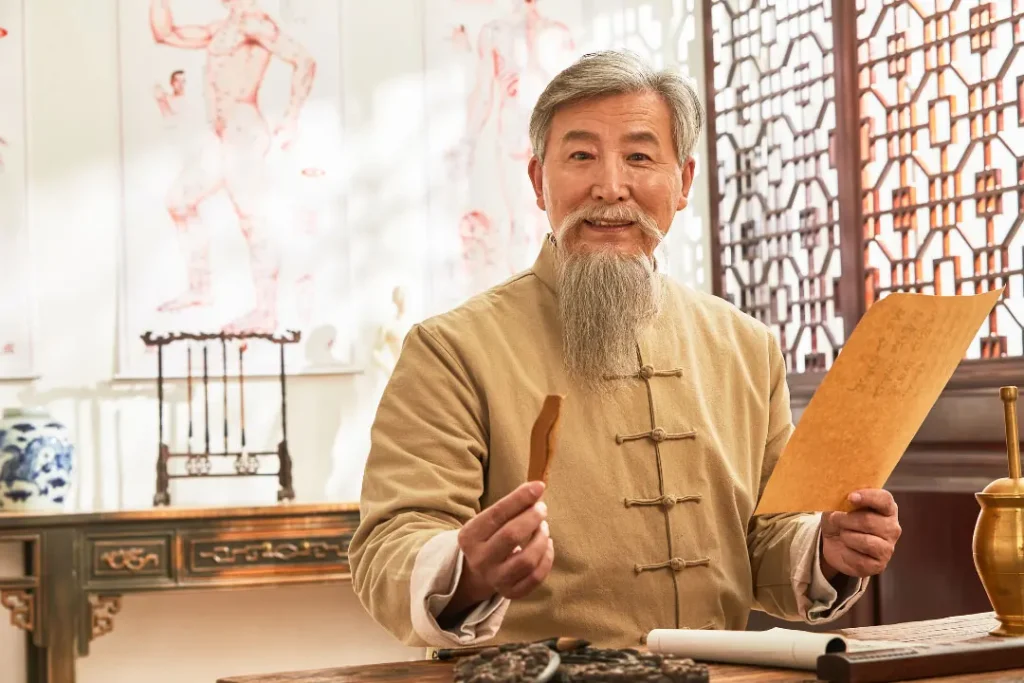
(616, 213)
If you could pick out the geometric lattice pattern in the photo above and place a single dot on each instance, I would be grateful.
(777, 183)
(942, 148)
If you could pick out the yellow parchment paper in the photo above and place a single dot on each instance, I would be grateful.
(873, 400)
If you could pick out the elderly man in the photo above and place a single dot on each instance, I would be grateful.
(675, 414)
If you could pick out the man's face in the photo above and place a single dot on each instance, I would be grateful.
(178, 83)
(614, 160)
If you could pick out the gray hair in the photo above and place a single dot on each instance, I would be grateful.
(615, 72)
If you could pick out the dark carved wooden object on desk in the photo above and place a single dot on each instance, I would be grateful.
(910, 663)
(78, 566)
(198, 461)
(544, 662)
(933, 648)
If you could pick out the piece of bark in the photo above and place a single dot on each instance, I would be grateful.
(542, 439)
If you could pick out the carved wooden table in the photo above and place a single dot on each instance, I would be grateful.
(78, 566)
(441, 672)
(970, 628)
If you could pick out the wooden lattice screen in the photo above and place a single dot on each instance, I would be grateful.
(862, 147)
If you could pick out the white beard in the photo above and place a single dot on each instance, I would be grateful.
(606, 299)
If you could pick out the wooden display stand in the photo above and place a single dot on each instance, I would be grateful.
(199, 454)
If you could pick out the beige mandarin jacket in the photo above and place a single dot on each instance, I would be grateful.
(650, 494)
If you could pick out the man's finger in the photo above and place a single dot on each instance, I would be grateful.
(858, 564)
(514, 534)
(869, 522)
(878, 500)
(537, 576)
(866, 544)
(520, 565)
(485, 524)
(831, 524)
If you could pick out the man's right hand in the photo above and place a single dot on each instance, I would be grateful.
(508, 550)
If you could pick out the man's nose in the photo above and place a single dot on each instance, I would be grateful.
(611, 186)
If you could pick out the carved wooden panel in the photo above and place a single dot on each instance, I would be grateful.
(266, 552)
(127, 558)
(942, 146)
(21, 604)
(102, 610)
(778, 216)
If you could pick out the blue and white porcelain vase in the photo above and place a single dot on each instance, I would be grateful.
(35, 461)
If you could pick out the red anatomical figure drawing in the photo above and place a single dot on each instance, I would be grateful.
(515, 55)
(460, 39)
(486, 63)
(17, 345)
(238, 52)
(170, 101)
(3, 143)
(475, 232)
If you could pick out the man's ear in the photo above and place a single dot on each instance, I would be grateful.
(687, 178)
(536, 171)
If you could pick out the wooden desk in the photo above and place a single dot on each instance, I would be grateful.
(78, 566)
(969, 628)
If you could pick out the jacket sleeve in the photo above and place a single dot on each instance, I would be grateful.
(785, 548)
(423, 476)
(435, 576)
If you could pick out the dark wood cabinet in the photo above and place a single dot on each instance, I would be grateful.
(78, 567)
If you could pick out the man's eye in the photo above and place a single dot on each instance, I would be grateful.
(579, 156)
(639, 157)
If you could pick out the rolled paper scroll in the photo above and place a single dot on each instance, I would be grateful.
(776, 647)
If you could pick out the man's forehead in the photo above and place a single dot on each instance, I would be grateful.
(617, 114)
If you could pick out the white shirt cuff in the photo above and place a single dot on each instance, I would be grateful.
(826, 601)
(435, 576)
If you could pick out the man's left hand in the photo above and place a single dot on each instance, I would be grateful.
(860, 543)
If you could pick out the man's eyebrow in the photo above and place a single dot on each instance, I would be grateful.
(641, 136)
(586, 136)
(579, 136)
